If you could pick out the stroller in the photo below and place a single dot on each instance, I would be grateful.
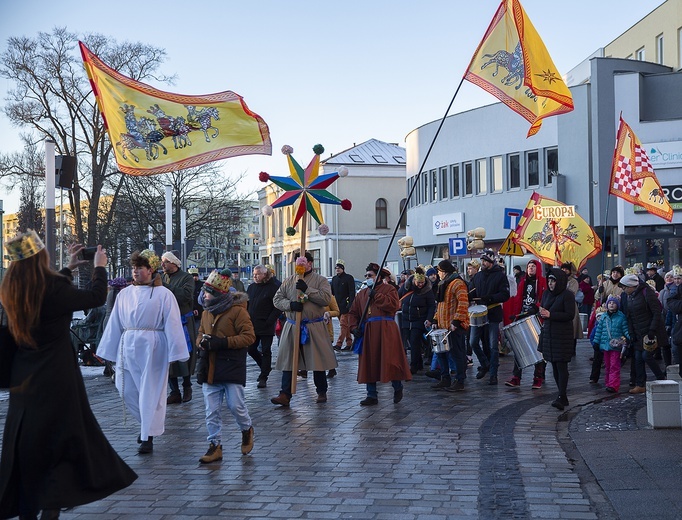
(85, 335)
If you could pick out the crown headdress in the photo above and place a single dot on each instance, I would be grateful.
(24, 245)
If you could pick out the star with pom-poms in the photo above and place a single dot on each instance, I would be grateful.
(306, 187)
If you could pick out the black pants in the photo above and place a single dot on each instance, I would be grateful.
(264, 359)
(560, 371)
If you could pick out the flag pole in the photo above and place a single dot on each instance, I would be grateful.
(297, 326)
(606, 216)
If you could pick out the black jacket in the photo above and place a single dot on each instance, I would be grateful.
(556, 340)
(343, 289)
(491, 286)
(644, 316)
(418, 306)
(263, 312)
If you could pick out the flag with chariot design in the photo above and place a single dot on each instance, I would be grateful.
(513, 64)
(632, 176)
(153, 131)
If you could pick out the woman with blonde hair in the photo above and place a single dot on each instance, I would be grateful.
(54, 454)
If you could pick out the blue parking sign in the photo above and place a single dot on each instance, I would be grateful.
(458, 247)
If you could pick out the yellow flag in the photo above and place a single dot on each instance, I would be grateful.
(157, 132)
(555, 233)
(632, 176)
(512, 63)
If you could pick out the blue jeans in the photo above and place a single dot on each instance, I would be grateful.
(372, 388)
(642, 357)
(319, 378)
(457, 355)
(488, 333)
(213, 402)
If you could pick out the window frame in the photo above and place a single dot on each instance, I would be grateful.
(380, 213)
(468, 179)
(455, 181)
(511, 172)
(529, 153)
(496, 177)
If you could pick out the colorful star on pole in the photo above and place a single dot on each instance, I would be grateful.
(306, 188)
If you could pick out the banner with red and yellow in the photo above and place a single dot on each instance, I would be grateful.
(513, 64)
(153, 131)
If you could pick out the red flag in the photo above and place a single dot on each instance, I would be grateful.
(632, 176)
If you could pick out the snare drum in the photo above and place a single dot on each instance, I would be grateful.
(439, 340)
(478, 315)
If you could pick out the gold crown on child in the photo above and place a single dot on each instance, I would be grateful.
(24, 245)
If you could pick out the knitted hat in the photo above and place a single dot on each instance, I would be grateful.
(614, 299)
(629, 280)
(431, 271)
(170, 257)
(618, 269)
(446, 266)
(218, 283)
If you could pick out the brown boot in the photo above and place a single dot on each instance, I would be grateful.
(186, 394)
(247, 440)
(282, 399)
(174, 398)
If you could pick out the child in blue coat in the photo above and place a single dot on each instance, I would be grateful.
(611, 334)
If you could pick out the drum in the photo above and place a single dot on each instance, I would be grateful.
(439, 340)
(524, 336)
(478, 315)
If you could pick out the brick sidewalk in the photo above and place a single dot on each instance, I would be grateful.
(487, 452)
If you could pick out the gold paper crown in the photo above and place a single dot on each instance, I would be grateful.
(677, 270)
(24, 245)
(218, 281)
(152, 258)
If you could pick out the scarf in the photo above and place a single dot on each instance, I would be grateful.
(443, 286)
(218, 304)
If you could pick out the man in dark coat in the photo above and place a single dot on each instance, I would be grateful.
(646, 325)
(181, 284)
(264, 316)
(489, 287)
(418, 306)
(343, 290)
(652, 274)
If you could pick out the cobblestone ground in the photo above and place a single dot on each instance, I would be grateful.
(486, 452)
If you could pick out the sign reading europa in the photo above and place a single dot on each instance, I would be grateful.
(545, 212)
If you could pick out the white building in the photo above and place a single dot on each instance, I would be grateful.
(483, 169)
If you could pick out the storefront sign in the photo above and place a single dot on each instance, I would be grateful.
(664, 155)
(672, 193)
(449, 223)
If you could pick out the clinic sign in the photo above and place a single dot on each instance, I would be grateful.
(664, 155)
(449, 223)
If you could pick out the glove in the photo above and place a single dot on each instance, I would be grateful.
(296, 306)
(301, 286)
(485, 300)
(213, 343)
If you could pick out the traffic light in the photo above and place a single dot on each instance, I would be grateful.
(405, 245)
(475, 239)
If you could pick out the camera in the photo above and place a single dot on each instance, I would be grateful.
(88, 253)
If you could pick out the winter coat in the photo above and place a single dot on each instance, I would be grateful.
(644, 316)
(492, 287)
(675, 307)
(317, 353)
(226, 365)
(610, 326)
(182, 285)
(417, 304)
(515, 304)
(557, 343)
(383, 356)
(50, 429)
(343, 290)
(588, 292)
(572, 285)
(608, 288)
(261, 308)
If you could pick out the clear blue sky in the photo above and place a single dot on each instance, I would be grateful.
(332, 72)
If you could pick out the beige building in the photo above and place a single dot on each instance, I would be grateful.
(656, 38)
(376, 187)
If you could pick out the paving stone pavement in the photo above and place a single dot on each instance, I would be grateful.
(487, 452)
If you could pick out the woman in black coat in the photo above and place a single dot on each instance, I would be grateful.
(54, 454)
(418, 305)
(556, 339)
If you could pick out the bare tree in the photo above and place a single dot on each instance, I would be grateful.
(52, 98)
